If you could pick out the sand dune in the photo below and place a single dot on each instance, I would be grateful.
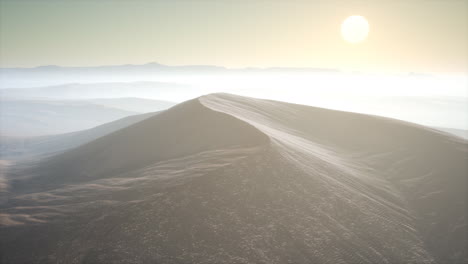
(229, 179)
(45, 117)
(140, 105)
(18, 148)
(107, 90)
(26, 117)
(457, 132)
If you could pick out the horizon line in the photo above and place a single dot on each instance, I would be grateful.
(324, 69)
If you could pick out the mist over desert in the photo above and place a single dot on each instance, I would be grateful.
(253, 132)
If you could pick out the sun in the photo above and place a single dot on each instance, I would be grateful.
(355, 29)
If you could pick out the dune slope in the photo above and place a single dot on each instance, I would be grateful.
(28, 118)
(229, 179)
(17, 148)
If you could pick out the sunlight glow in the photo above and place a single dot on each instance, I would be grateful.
(355, 29)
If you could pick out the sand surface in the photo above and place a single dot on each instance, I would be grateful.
(230, 179)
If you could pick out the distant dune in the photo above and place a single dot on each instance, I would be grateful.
(110, 90)
(14, 148)
(23, 117)
(230, 179)
(140, 105)
(457, 132)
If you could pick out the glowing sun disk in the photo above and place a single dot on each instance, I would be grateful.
(355, 29)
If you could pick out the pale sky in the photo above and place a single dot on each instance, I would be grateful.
(405, 35)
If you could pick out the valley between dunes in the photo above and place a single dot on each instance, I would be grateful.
(230, 179)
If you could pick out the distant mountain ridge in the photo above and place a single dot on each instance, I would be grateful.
(158, 66)
(57, 75)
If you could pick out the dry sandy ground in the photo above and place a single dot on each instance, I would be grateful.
(229, 179)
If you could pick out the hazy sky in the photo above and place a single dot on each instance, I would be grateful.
(405, 35)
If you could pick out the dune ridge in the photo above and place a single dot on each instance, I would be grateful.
(230, 179)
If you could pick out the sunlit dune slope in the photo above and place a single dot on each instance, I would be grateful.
(229, 179)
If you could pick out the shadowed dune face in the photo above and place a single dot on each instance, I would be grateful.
(183, 130)
(228, 179)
